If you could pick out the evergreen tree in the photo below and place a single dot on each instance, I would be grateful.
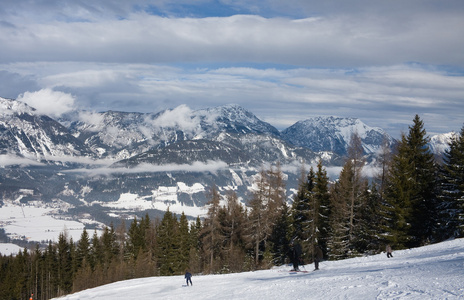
(109, 244)
(185, 242)
(424, 201)
(321, 197)
(96, 252)
(82, 252)
(65, 274)
(338, 244)
(452, 190)
(168, 245)
(279, 239)
(195, 257)
(396, 207)
(410, 202)
(303, 214)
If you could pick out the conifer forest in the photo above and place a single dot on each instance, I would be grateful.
(415, 199)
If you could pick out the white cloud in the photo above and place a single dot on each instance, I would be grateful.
(327, 41)
(180, 117)
(209, 166)
(49, 102)
(12, 160)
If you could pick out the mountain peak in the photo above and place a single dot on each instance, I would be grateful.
(10, 106)
(334, 134)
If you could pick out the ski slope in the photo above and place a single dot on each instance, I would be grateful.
(431, 272)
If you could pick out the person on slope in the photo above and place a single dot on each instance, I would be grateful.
(388, 249)
(295, 254)
(318, 256)
(188, 277)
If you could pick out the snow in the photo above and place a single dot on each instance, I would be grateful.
(9, 249)
(431, 272)
(37, 222)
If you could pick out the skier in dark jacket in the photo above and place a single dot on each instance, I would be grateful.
(318, 256)
(295, 254)
(188, 277)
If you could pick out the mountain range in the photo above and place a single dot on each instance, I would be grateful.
(95, 161)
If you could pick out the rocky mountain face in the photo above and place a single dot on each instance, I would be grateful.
(112, 165)
(334, 134)
(25, 133)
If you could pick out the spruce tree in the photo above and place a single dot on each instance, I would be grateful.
(185, 242)
(168, 245)
(452, 190)
(410, 202)
(338, 243)
(321, 196)
(424, 199)
(303, 212)
(396, 207)
(65, 274)
(279, 239)
(83, 251)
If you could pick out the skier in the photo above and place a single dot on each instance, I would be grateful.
(295, 252)
(389, 251)
(188, 277)
(318, 256)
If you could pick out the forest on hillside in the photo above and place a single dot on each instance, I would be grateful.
(415, 200)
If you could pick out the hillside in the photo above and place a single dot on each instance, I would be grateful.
(431, 272)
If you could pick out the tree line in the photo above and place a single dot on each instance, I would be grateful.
(413, 201)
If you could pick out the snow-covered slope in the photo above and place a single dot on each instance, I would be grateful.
(26, 133)
(431, 272)
(333, 134)
(440, 143)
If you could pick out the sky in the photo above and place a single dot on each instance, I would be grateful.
(380, 61)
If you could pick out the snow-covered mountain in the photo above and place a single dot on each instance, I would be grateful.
(24, 132)
(114, 165)
(122, 135)
(333, 134)
(439, 143)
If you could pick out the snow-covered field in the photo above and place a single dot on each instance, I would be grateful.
(431, 272)
(8, 249)
(38, 222)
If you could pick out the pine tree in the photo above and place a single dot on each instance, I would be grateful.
(396, 207)
(321, 196)
(65, 273)
(82, 252)
(424, 201)
(280, 237)
(303, 212)
(452, 190)
(410, 202)
(185, 242)
(195, 257)
(338, 243)
(168, 245)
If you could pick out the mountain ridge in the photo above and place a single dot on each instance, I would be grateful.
(160, 160)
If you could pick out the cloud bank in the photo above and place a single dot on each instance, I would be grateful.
(381, 61)
(49, 102)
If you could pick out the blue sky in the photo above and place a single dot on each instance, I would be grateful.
(285, 61)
